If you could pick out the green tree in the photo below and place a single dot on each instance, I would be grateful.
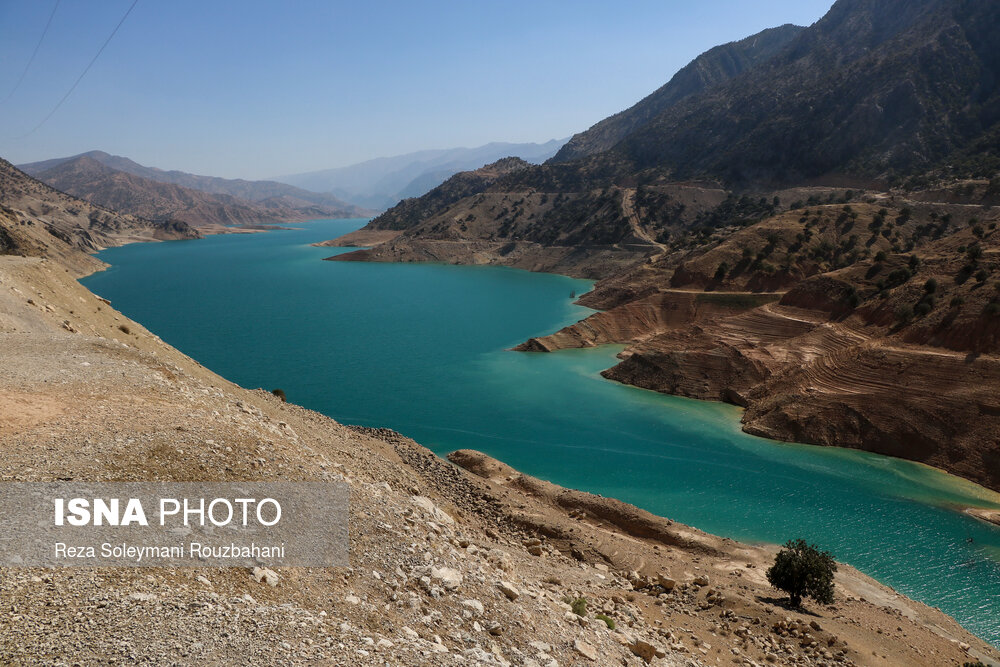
(802, 570)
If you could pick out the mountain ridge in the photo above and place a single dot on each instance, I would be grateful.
(121, 184)
(37, 220)
(715, 65)
(779, 230)
(382, 182)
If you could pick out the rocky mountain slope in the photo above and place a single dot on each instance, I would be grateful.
(471, 563)
(874, 89)
(868, 325)
(837, 251)
(119, 183)
(710, 68)
(39, 221)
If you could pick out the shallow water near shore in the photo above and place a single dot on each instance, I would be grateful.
(421, 348)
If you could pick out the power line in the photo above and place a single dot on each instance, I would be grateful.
(33, 54)
(84, 73)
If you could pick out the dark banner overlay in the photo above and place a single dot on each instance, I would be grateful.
(152, 524)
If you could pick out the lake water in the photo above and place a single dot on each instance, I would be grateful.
(421, 348)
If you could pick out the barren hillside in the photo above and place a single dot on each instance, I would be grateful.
(448, 565)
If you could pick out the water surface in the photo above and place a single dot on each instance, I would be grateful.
(420, 348)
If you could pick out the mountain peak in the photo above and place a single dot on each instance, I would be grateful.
(715, 66)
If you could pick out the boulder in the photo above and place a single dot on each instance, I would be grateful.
(509, 590)
(585, 649)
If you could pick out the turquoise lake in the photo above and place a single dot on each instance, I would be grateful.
(421, 348)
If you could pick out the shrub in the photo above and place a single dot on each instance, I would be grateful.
(897, 277)
(957, 301)
(982, 275)
(930, 286)
(608, 621)
(852, 297)
(802, 570)
(579, 606)
(880, 256)
(280, 393)
(904, 314)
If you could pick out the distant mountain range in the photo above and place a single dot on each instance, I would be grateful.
(382, 182)
(123, 185)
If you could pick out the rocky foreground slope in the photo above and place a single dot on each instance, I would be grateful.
(448, 565)
(451, 563)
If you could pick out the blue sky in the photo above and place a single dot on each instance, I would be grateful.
(256, 88)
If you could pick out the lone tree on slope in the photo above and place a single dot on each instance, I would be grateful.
(802, 570)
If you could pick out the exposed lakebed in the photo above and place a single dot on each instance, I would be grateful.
(421, 348)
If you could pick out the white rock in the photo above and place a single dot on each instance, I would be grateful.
(142, 597)
(436, 512)
(541, 647)
(585, 649)
(474, 605)
(449, 577)
(268, 576)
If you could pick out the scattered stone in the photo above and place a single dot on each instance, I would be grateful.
(585, 649)
(449, 577)
(646, 651)
(474, 605)
(509, 590)
(268, 576)
(436, 512)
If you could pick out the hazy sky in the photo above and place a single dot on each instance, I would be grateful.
(256, 88)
